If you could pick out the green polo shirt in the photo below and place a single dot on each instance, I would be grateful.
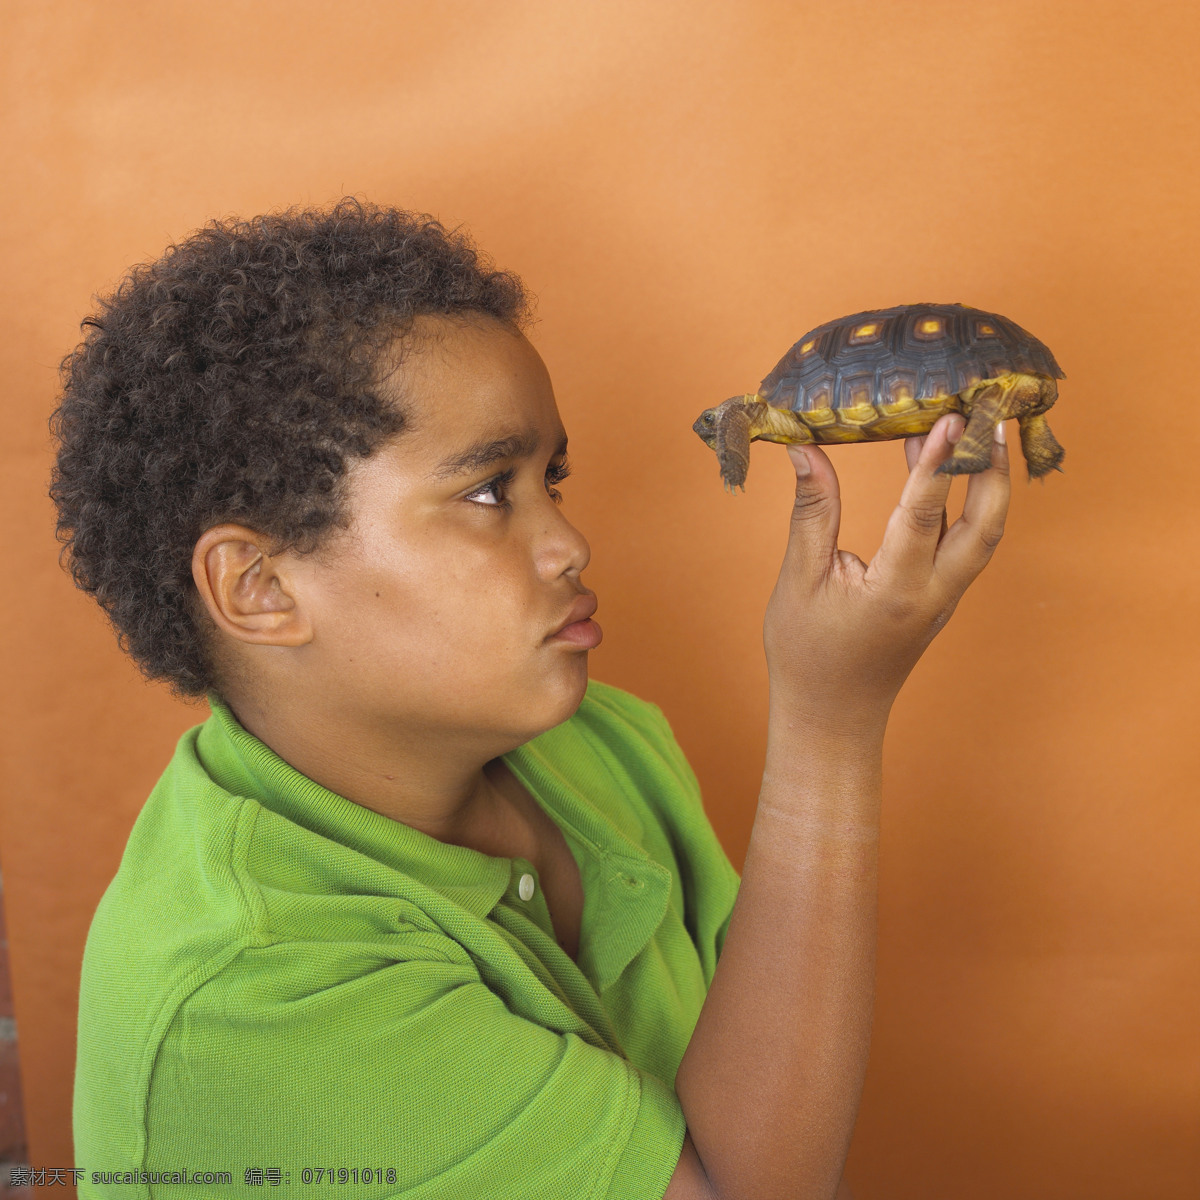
(280, 982)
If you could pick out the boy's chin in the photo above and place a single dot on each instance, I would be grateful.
(559, 702)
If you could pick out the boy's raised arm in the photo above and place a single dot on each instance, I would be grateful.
(771, 1080)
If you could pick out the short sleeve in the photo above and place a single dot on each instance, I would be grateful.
(302, 1057)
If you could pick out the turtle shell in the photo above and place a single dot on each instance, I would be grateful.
(914, 350)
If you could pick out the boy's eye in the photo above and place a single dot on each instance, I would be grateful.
(497, 487)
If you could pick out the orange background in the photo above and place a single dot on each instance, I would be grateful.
(689, 187)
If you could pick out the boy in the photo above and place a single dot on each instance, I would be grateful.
(420, 908)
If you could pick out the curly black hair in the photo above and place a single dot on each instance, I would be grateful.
(236, 379)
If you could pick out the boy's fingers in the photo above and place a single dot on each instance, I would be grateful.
(912, 450)
(910, 540)
(912, 454)
(968, 546)
(816, 513)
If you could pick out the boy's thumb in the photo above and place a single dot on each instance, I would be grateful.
(816, 514)
(799, 461)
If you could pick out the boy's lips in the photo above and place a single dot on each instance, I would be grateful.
(581, 610)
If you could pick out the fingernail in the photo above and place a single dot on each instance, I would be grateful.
(955, 430)
(1000, 432)
(799, 460)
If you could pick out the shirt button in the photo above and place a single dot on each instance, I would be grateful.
(525, 887)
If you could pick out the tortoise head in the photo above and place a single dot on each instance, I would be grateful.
(726, 429)
(705, 426)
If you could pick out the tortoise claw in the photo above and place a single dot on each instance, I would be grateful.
(966, 464)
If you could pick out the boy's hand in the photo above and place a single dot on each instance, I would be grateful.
(841, 635)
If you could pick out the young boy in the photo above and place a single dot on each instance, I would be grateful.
(420, 910)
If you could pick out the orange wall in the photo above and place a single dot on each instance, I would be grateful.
(689, 187)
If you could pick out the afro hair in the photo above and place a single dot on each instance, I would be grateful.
(237, 378)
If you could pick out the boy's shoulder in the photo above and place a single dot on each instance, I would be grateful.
(209, 838)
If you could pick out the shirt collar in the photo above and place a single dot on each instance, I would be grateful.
(242, 765)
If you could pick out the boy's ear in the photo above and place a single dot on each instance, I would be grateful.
(246, 592)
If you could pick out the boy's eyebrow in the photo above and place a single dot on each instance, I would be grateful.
(491, 450)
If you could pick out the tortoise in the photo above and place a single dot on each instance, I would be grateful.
(891, 373)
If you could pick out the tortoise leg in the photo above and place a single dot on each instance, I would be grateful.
(974, 450)
(991, 401)
(1040, 446)
(732, 444)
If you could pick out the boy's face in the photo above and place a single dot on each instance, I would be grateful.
(433, 611)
